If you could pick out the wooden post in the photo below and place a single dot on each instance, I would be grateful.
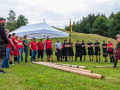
(92, 75)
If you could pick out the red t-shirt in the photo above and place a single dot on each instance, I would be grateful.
(40, 46)
(8, 46)
(110, 45)
(33, 45)
(15, 44)
(62, 46)
(20, 46)
(48, 44)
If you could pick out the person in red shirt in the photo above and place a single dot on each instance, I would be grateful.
(20, 49)
(12, 47)
(33, 47)
(110, 51)
(16, 51)
(40, 47)
(63, 51)
(48, 44)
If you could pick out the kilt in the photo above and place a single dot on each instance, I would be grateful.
(78, 54)
(66, 52)
(71, 53)
(90, 52)
(84, 52)
(117, 54)
(58, 53)
(12, 52)
(97, 52)
(63, 52)
(16, 52)
(3, 50)
(105, 53)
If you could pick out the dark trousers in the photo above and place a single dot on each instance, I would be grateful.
(65, 58)
(26, 54)
(58, 58)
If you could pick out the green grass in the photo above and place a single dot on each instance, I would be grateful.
(28, 76)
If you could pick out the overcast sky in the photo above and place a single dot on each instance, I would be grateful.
(58, 12)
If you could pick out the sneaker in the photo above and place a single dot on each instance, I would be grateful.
(1, 71)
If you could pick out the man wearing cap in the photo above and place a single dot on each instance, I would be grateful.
(49, 52)
(84, 49)
(66, 47)
(40, 47)
(78, 47)
(71, 53)
(105, 52)
(33, 47)
(3, 42)
(97, 50)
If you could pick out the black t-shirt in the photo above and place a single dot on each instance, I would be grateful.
(70, 47)
(66, 48)
(90, 48)
(78, 47)
(97, 48)
(104, 45)
(83, 48)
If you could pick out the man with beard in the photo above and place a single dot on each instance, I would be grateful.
(3, 42)
(58, 50)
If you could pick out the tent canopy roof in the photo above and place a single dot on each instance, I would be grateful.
(39, 30)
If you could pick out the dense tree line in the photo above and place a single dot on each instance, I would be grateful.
(13, 22)
(98, 24)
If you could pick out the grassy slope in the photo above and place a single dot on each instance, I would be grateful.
(30, 76)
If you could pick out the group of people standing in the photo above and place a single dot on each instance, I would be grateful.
(12, 45)
(66, 50)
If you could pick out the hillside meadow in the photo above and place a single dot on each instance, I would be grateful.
(28, 76)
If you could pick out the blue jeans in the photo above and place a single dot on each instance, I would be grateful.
(6, 59)
(33, 55)
(21, 55)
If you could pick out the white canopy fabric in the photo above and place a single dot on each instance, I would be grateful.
(40, 30)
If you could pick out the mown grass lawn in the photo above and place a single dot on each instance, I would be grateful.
(28, 76)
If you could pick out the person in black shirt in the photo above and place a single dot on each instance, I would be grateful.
(97, 49)
(66, 48)
(71, 53)
(105, 52)
(78, 51)
(3, 42)
(84, 49)
(90, 49)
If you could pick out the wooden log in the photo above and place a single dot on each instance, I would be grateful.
(75, 66)
(104, 66)
(92, 75)
(68, 67)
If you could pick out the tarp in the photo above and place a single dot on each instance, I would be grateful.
(39, 30)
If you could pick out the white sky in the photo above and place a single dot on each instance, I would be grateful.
(55, 10)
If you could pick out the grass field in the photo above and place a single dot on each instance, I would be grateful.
(28, 76)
